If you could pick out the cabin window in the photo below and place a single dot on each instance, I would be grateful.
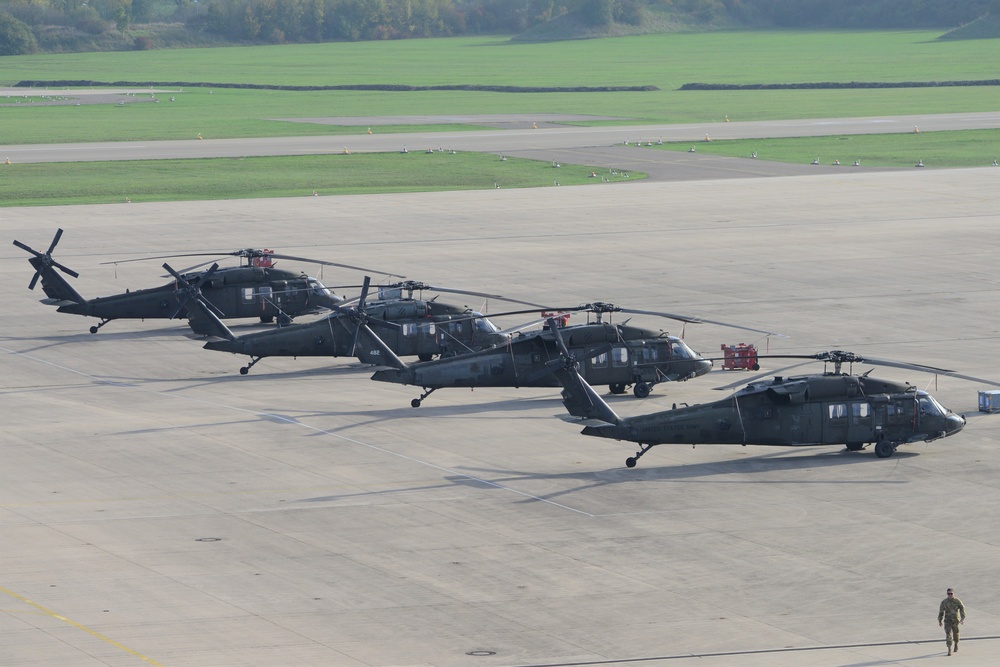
(650, 354)
(409, 329)
(247, 295)
(428, 328)
(619, 356)
(860, 413)
(837, 410)
(600, 361)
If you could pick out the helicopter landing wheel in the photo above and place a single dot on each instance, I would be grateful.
(632, 460)
(415, 403)
(425, 356)
(617, 388)
(884, 449)
(246, 369)
(94, 328)
(641, 390)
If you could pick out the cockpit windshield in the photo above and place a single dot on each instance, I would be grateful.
(680, 350)
(318, 288)
(929, 405)
(483, 325)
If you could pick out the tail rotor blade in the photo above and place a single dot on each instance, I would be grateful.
(44, 260)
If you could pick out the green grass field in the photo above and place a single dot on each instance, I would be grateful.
(968, 148)
(243, 178)
(666, 61)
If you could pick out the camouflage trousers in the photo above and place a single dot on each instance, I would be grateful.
(951, 632)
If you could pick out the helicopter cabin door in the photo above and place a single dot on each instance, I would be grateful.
(860, 422)
(848, 422)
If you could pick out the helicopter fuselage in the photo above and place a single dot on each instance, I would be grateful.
(809, 410)
(636, 356)
(238, 292)
(421, 328)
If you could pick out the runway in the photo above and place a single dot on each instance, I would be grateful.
(157, 508)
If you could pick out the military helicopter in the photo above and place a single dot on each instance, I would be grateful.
(827, 409)
(411, 327)
(628, 356)
(253, 289)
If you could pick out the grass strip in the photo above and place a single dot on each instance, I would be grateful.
(41, 184)
(960, 148)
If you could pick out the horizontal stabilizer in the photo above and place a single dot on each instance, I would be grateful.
(57, 302)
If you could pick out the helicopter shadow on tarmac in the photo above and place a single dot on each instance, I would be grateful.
(84, 338)
(496, 479)
(769, 462)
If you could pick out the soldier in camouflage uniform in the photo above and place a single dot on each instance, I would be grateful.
(951, 614)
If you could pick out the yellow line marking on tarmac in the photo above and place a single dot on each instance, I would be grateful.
(98, 635)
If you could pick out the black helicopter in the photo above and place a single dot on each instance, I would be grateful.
(254, 289)
(828, 409)
(410, 327)
(628, 356)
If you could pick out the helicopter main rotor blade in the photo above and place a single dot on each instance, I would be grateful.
(338, 264)
(839, 357)
(412, 286)
(253, 252)
(217, 255)
(753, 378)
(697, 320)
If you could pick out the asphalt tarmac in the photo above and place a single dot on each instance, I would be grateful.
(157, 508)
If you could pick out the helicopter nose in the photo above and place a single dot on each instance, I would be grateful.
(955, 423)
(704, 366)
(329, 301)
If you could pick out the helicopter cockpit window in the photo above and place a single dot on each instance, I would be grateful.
(483, 325)
(679, 350)
(619, 356)
(318, 288)
(929, 406)
(650, 354)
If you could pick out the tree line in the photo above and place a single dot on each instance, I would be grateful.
(281, 21)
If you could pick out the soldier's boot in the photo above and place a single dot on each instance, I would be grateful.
(956, 646)
(949, 648)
